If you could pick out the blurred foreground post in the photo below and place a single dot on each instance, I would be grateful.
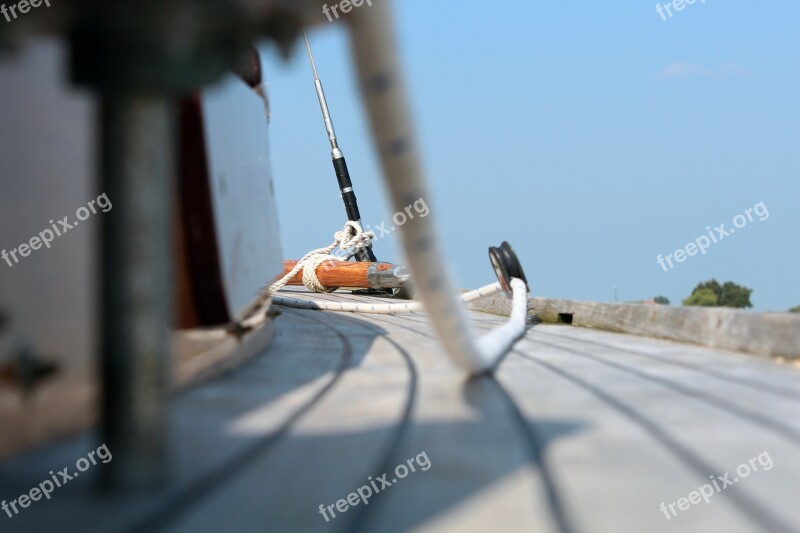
(140, 58)
(137, 175)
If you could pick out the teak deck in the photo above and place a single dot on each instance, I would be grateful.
(578, 431)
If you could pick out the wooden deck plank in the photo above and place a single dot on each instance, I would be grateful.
(703, 437)
(580, 430)
(753, 372)
(659, 472)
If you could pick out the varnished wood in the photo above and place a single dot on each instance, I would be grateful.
(338, 273)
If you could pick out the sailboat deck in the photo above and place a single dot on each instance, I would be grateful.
(578, 430)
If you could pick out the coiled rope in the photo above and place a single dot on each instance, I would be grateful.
(385, 309)
(351, 239)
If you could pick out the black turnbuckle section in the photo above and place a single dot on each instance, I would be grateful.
(346, 186)
(351, 205)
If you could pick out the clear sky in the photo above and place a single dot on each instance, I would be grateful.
(593, 136)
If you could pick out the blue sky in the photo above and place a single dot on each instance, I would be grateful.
(592, 136)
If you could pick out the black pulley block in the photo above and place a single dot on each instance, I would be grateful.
(506, 265)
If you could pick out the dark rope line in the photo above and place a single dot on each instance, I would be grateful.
(749, 507)
(752, 509)
(185, 500)
(763, 387)
(358, 522)
(536, 448)
(789, 433)
(534, 441)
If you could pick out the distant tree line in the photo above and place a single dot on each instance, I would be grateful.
(713, 294)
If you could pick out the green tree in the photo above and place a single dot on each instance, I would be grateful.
(702, 296)
(728, 294)
(712, 284)
(795, 309)
(662, 300)
(734, 295)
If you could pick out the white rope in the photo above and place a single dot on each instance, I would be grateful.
(494, 345)
(384, 309)
(310, 279)
(380, 75)
(351, 239)
(498, 342)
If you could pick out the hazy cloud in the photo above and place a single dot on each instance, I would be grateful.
(690, 69)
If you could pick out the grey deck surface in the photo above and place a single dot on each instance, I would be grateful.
(579, 431)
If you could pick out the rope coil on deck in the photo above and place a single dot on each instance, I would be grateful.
(494, 344)
(350, 239)
(409, 307)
